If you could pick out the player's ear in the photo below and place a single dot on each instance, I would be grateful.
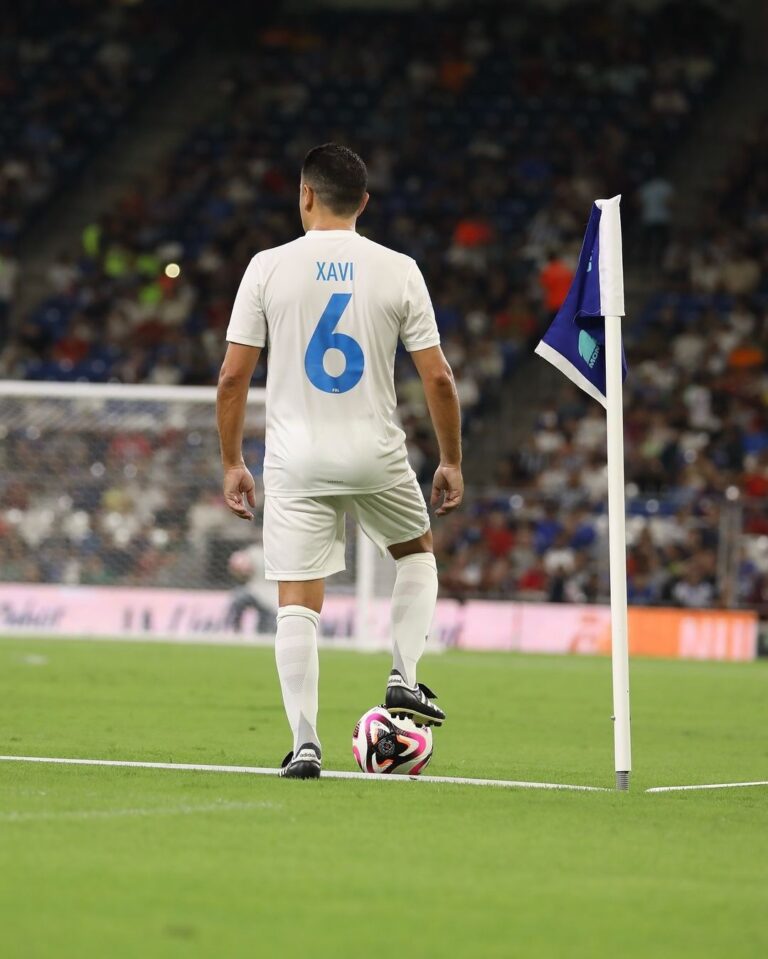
(307, 197)
(363, 204)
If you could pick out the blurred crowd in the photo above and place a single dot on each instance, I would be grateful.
(68, 72)
(697, 518)
(696, 434)
(114, 493)
(487, 136)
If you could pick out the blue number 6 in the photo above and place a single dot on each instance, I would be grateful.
(324, 339)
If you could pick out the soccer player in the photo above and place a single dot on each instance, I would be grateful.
(332, 306)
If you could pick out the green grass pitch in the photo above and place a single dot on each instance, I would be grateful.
(107, 862)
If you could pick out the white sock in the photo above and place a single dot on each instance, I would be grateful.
(298, 668)
(413, 606)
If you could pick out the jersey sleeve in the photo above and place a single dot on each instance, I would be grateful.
(248, 324)
(418, 328)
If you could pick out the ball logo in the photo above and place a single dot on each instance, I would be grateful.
(589, 348)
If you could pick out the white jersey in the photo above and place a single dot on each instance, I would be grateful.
(332, 306)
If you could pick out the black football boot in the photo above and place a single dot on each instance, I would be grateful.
(413, 702)
(304, 765)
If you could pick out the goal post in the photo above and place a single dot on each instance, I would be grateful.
(113, 522)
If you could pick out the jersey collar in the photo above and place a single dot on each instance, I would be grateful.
(316, 233)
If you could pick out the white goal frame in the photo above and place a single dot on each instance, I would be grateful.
(204, 395)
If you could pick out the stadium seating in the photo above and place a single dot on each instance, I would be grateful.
(696, 431)
(483, 144)
(484, 149)
(68, 73)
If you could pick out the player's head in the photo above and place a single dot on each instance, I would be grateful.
(333, 185)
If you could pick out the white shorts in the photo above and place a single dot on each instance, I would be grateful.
(304, 536)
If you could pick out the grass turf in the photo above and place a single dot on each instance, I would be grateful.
(123, 862)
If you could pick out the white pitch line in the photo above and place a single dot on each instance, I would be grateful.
(329, 774)
(675, 789)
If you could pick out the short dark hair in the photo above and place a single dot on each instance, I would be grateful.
(337, 175)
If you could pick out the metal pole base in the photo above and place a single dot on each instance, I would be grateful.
(622, 780)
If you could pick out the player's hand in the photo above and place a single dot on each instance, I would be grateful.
(447, 489)
(239, 489)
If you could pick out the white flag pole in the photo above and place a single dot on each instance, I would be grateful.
(612, 301)
(617, 550)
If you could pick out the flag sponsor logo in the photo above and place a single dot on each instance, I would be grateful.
(589, 348)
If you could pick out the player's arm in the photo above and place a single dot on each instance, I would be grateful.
(443, 402)
(231, 398)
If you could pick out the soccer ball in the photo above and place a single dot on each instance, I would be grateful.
(383, 744)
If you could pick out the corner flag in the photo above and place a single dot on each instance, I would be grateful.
(584, 342)
(575, 342)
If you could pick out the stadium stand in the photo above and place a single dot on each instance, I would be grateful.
(696, 430)
(485, 149)
(494, 162)
(68, 73)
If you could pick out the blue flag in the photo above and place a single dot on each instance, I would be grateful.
(575, 342)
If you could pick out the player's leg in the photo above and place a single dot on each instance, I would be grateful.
(413, 603)
(303, 543)
(309, 593)
(298, 667)
(414, 598)
(397, 520)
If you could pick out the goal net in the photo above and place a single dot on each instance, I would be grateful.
(113, 522)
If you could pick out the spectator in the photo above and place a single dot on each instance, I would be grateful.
(656, 196)
(555, 280)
